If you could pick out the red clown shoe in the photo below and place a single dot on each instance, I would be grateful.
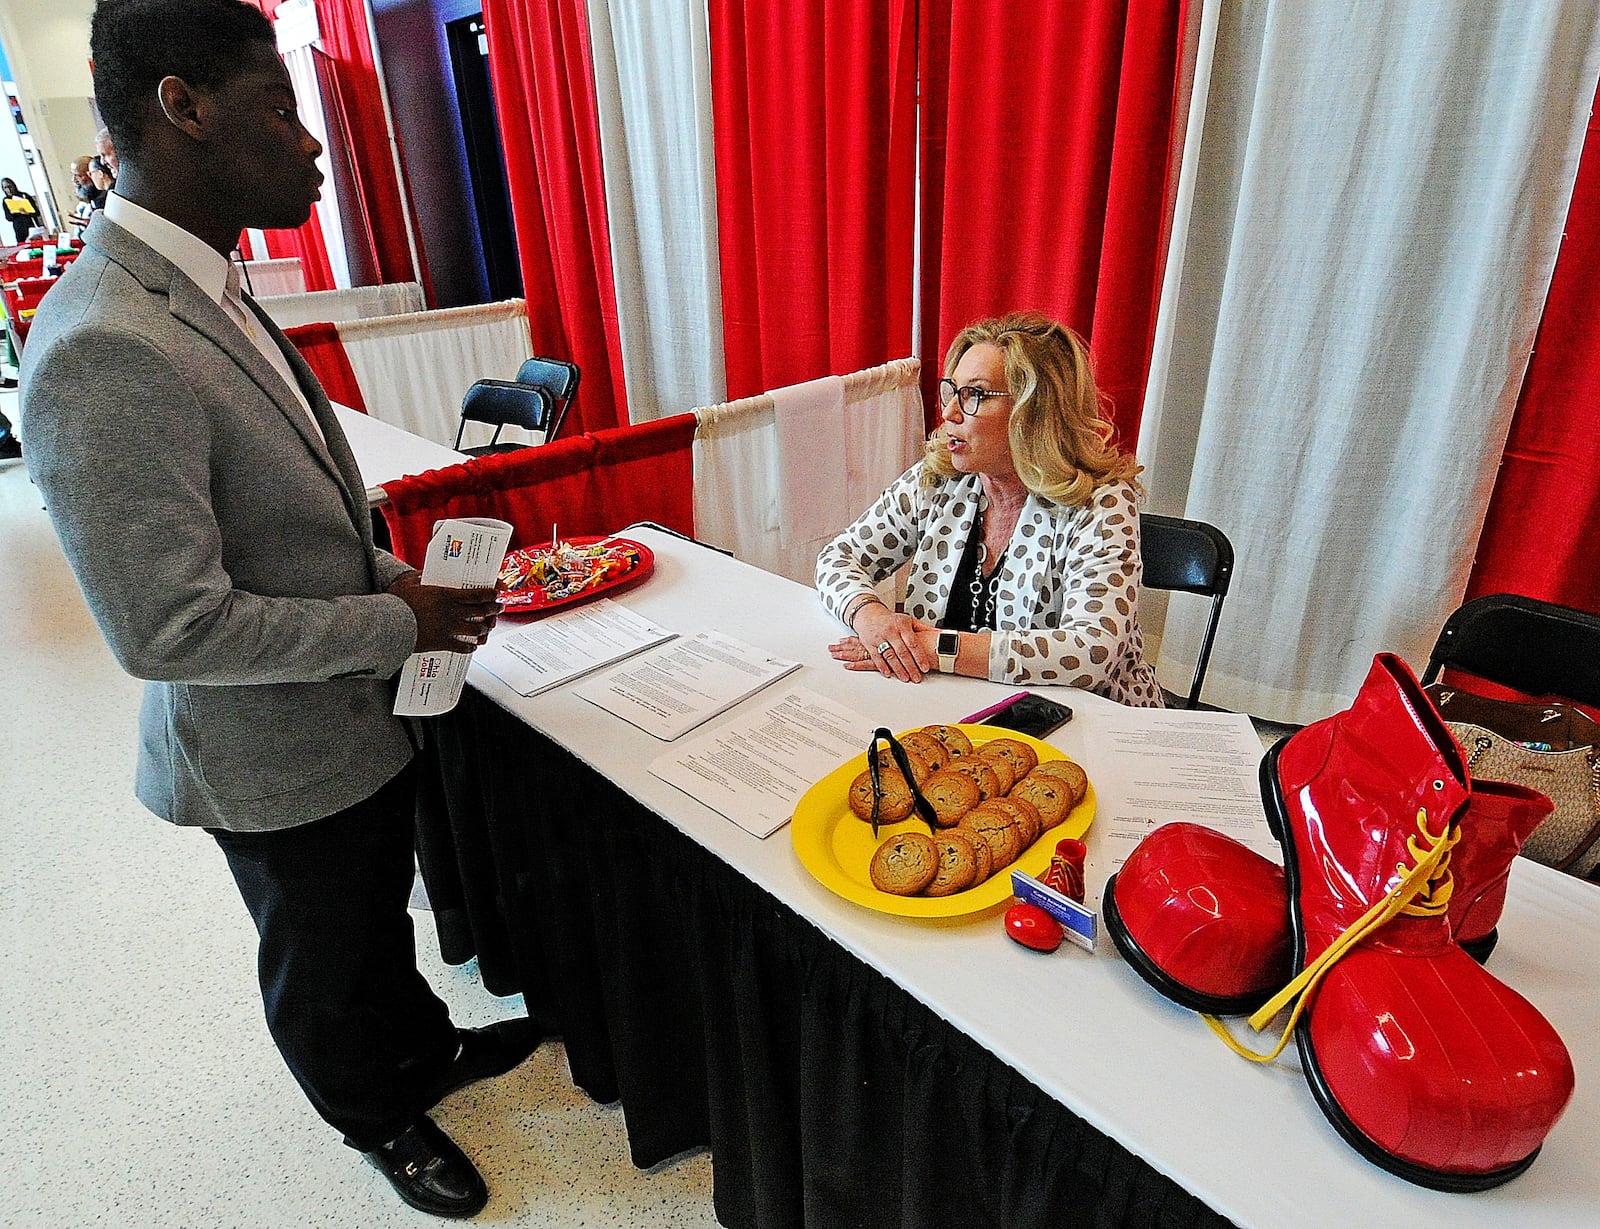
(1425, 1063)
(1203, 919)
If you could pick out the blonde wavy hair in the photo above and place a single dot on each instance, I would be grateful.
(1061, 445)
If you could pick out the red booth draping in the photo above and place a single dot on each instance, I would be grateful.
(541, 66)
(1046, 131)
(1537, 540)
(319, 344)
(359, 101)
(587, 484)
(813, 111)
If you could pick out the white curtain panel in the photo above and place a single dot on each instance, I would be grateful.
(737, 491)
(308, 101)
(1370, 206)
(279, 275)
(413, 370)
(336, 306)
(652, 67)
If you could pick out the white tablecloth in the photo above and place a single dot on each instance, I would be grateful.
(384, 452)
(1247, 1139)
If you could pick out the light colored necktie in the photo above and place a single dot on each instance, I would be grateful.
(233, 304)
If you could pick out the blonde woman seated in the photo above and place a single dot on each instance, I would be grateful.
(1021, 526)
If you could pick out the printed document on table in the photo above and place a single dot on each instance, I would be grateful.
(565, 646)
(1153, 766)
(684, 683)
(754, 770)
(464, 553)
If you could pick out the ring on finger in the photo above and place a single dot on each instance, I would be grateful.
(885, 649)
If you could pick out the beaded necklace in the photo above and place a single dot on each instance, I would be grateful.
(985, 588)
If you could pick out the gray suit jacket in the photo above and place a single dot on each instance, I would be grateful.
(225, 550)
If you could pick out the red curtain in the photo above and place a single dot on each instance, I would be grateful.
(324, 353)
(541, 67)
(308, 245)
(359, 103)
(1538, 538)
(588, 484)
(813, 108)
(1046, 129)
(305, 244)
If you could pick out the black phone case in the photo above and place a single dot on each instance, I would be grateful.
(1033, 715)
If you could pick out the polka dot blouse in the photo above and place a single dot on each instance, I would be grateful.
(1068, 606)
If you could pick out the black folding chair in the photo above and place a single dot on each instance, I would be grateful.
(558, 378)
(1188, 557)
(502, 403)
(1537, 648)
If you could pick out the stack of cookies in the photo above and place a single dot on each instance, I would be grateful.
(991, 802)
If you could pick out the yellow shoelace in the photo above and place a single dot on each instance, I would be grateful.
(1422, 891)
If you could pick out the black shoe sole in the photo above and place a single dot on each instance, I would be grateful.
(1434, 1179)
(1161, 982)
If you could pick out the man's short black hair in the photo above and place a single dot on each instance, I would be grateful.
(135, 43)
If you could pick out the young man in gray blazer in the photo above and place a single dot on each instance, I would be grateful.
(215, 519)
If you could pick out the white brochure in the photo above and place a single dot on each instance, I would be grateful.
(568, 645)
(1153, 766)
(755, 769)
(684, 683)
(464, 553)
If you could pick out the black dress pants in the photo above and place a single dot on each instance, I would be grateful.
(357, 1024)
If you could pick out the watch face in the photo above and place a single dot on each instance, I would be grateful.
(948, 644)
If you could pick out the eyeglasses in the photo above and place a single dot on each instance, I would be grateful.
(971, 397)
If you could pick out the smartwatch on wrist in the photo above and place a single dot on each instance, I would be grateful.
(946, 648)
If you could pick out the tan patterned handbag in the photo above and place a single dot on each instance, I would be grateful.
(1553, 748)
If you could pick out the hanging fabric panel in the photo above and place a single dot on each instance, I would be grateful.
(541, 67)
(1045, 136)
(1376, 200)
(653, 93)
(364, 123)
(813, 107)
(1539, 537)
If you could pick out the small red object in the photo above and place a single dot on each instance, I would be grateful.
(1032, 927)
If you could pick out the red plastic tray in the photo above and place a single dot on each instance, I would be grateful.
(534, 602)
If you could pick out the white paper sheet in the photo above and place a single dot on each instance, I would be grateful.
(754, 770)
(463, 553)
(568, 645)
(672, 689)
(1155, 766)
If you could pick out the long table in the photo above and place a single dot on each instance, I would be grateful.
(385, 452)
(848, 1067)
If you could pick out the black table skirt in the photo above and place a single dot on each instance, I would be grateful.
(720, 1018)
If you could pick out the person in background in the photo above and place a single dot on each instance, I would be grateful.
(21, 209)
(1021, 526)
(103, 178)
(214, 517)
(107, 150)
(83, 189)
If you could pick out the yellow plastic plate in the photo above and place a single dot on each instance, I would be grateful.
(836, 847)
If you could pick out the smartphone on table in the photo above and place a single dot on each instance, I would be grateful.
(1026, 713)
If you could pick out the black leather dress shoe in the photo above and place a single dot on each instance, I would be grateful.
(487, 1052)
(9, 448)
(430, 1173)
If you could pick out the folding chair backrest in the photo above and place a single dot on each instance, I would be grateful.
(1188, 557)
(501, 403)
(558, 378)
(1538, 648)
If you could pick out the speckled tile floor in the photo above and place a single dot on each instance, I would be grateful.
(140, 1084)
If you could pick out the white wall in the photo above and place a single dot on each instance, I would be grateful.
(47, 44)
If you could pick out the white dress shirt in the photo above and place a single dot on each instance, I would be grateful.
(214, 273)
